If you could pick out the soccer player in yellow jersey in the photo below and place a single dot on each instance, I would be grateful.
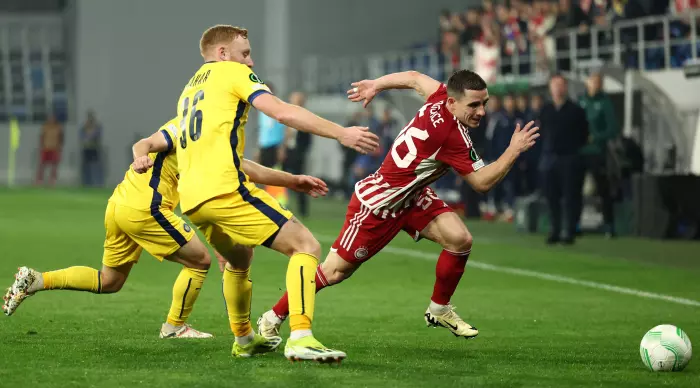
(140, 215)
(219, 198)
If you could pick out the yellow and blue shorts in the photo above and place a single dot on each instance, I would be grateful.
(128, 231)
(248, 216)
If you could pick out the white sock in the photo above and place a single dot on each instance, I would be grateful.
(298, 334)
(246, 339)
(438, 309)
(274, 318)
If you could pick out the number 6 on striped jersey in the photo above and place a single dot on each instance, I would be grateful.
(407, 136)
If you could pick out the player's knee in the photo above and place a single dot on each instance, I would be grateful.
(201, 260)
(314, 247)
(111, 284)
(459, 241)
(309, 245)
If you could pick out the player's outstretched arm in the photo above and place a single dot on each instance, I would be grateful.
(302, 183)
(366, 90)
(357, 138)
(157, 142)
(487, 177)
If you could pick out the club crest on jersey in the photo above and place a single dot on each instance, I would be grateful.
(361, 253)
(254, 78)
(187, 228)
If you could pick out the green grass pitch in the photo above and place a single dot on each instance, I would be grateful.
(547, 316)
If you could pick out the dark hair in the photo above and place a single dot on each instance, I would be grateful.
(463, 80)
(558, 75)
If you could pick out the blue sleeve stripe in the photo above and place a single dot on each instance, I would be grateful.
(255, 95)
(167, 138)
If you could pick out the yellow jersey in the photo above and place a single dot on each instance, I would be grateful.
(158, 186)
(212, 113)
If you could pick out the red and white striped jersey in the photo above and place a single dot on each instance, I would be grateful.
(432, 142)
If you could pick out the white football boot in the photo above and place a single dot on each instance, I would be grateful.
(269, 324)
(184, 331)
(452, 322)
(309, 349)
(19, 291)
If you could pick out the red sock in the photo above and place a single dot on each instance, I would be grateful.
(281, 309)
(448, 272)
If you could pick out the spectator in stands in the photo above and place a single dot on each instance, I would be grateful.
(91, 145)
(502, 196)
(540, 25)
(564, 132)
(349, 157)
(682, 29)
(50, 146)
(366, 164)
(272, 149)
(529, 164)
(535, 109)
(298, 144)
(513, 41)
(522, 105)
(445, 21)
(627, 9)
(597, 11)
(494, 107)
(474, 203)
(602, 126)
(487, 51)
(352, 161)
(472, 26)
(570, 16)
(388, 130)
(449, 49)
(489, 12)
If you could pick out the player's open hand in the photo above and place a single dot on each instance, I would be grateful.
(524, 138)
(364, 90)
(309, 185)
(142, 164)
(360, 139)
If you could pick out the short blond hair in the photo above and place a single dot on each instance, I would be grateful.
(220, 33)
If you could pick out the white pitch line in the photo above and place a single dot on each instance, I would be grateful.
(543, 275)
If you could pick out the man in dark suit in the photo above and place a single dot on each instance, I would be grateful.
(564, 133)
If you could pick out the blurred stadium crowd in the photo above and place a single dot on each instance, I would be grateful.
(525, 37)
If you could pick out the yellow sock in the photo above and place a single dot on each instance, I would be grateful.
(74, 278)
(238, 293)
(301, 289)
(185, 293)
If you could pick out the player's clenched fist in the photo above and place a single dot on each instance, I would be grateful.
(524, 138)
(364, 90)
(360, 139)
(142, 164)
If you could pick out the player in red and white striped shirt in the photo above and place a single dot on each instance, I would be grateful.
(397, 197)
